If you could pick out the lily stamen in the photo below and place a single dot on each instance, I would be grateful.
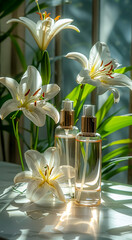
(110, 69)
(46, 15)
(101, 63)
(103, 70)
(51, 170)
(27, 92)
(57, 18)
(45, 172)
(36, 91)
(107, 64)
(40, 14)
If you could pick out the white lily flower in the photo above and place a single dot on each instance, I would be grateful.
(43, 175)
(98, 70)
(30, 97)
(45, 30)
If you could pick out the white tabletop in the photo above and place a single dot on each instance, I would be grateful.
(20, 219)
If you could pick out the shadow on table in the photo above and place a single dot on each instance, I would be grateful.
(67, 220)
(117, 197)
(61, 219)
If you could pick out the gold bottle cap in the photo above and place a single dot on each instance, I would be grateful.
(88, 121)
(67, 119)
(88, 124)
(67, 114)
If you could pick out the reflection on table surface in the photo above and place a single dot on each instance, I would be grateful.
(21, 219)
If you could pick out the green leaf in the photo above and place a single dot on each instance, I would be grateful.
(117, 152)
(45, 4)
(87, 89)
(108, 166)
(116, 161)
(122, 141)
(123, 70)
(73, 95)
(35, 9)
(78, 95)
(19, 52)
(6, 34)
(113, 124)
(25, 42)
(4, 98)
(6, 8)
(7, 128)
(45, 68)
(104, 109)
(116, 171)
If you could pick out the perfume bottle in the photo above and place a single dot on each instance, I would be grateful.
(65, 141)
(88, 161)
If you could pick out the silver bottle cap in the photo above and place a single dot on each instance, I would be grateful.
(89, 110)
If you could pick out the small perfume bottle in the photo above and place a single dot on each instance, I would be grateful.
(88, 161)
(65, 141)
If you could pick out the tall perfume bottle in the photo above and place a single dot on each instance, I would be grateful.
(65, 141)
(88, 161)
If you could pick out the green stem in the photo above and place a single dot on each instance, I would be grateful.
(78, 101)
(16, 133)
(36, 138)
(48, 131)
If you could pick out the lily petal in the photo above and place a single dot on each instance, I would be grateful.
(44, 31)
(8, 107)
(25, 176)
(42, 195)
(81, 58)
(72, 27)
(33, 159)
(102, 89)
(43, 28)
(58, 26)
(97, 53)
(31, 80)
(68, 171)
(56, 189)
(57, 174)
(51, 111)
(99, 70)
(116, 94)
(11, 84)
(52, 157)
(35, 114)
(119, 80)
(50, 91)
(29, 24)
(32, 188)
(83, 78)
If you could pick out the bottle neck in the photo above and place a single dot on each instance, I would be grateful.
(67, 119)
(88, 124)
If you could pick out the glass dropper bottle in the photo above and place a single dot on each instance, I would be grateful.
(88, 161)
(65, 135)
